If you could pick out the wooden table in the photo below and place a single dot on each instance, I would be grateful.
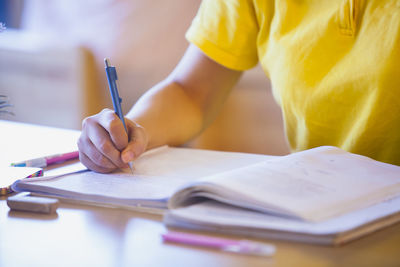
(80, 235)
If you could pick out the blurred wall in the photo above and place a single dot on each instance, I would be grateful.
(144, 39)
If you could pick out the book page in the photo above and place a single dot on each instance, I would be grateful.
(157, 175)
(215, 215)
(313, 185)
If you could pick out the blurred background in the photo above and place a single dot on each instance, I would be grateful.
(52, 69)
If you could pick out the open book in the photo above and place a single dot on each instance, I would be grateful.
(158, 173)
(323, 195)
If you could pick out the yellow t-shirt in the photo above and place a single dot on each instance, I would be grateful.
(334, 65)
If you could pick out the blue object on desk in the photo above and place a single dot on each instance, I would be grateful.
(112, 83)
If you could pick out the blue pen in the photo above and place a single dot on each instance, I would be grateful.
(112, 83)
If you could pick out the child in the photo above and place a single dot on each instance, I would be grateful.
(334, 68)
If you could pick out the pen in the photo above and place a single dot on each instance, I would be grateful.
(47, 160)
(112, 83)
(224, 244)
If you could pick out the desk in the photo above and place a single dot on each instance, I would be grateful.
(80, 235)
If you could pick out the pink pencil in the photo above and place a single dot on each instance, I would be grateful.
(48, 160)
(224, 244)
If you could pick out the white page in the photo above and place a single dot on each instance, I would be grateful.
(157, 174)
(315, 185)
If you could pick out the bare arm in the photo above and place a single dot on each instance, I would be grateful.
(172, 112)
(181, 106)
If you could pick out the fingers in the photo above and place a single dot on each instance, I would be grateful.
(137, 144)
(93, 166)
(92, 158)
(103, 136)
(114, 127)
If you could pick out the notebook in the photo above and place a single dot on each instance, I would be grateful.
(322, 195)
(158, 173)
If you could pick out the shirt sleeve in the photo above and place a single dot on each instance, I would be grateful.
(226, 31)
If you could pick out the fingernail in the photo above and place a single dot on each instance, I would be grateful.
(127, 156)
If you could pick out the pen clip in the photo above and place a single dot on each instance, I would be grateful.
(116, 99)
(110, 70)
(112, 82)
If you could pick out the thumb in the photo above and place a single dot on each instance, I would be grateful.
(137, 142)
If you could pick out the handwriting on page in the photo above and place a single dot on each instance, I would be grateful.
(117, 185)
(315, 186)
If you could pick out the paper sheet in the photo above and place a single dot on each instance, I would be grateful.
(315, 185)
(158, 173)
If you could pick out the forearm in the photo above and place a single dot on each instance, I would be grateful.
(181, 106)
(168, 115)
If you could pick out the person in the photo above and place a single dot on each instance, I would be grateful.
(333, 66)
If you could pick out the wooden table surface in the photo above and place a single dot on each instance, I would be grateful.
(81, 235)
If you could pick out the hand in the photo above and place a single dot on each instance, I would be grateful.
(103, 144)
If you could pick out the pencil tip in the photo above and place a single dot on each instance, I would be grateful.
(131, 166)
